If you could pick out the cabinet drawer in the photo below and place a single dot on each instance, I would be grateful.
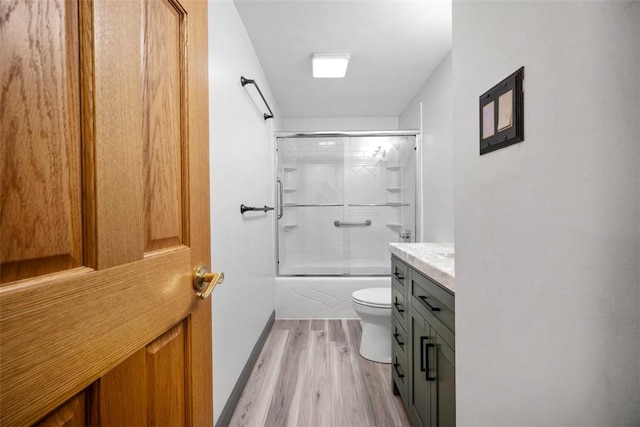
(400, 378)
(399, 353)
(429, 299)
(399, 275)
(400, 308)
(399, 341)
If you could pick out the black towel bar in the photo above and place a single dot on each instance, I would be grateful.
(244, 82)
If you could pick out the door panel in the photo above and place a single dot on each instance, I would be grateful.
(116, 321)
(164, 113)
(165, 379)
(40, 176)
(115, 204)
(70, 414)
(119, 400)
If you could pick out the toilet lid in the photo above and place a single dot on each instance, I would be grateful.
(373, 297)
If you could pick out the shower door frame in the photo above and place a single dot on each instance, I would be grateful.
(341, 134)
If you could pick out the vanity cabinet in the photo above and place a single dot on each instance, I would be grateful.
(424, 366)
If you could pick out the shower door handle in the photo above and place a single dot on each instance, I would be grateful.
(280, 201)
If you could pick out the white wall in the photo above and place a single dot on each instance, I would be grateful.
(241, 172)
(436, 97)
(339, 123)
(548, 230)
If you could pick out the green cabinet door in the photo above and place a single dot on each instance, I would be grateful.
(433, 384)
(420, 394)
(444, 399)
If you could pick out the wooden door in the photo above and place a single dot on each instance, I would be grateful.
(104, 213)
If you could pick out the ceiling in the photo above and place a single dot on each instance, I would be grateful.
(394, 46)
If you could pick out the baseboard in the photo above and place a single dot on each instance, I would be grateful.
(234, 397)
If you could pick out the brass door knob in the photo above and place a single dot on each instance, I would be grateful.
(204, 282)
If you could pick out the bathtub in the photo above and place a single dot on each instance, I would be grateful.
(321, 297)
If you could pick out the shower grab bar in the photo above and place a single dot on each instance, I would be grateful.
(281, 201)
(297, 205)
(380, 204)
(324, 205)
(352, 224)
(244, 209)
(244, 82)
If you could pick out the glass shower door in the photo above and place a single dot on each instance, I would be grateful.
(379, 182)
(310, 170)
(344, 199)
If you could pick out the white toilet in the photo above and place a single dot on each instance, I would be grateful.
(373, 306)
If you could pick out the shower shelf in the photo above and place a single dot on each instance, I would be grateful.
(394, 189)
(391, 225)
(288, 227)
(290, 169)
(393, 168)
(290, 190)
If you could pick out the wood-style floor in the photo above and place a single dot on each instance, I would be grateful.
(310, 374)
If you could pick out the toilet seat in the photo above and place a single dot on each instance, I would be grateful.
(373, 297)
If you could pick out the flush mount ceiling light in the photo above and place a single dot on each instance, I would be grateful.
(330, 65)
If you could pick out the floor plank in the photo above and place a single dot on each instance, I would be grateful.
(285, 324)
(347, 403)
(336, 331)
(285, 390)
(314, 393)
(256, 396)
(298, 333)
(310, 374)
(318, 325)
(366, 378)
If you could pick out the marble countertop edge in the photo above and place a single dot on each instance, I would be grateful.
(436, 260)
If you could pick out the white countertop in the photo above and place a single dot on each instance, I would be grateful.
(436, 260)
